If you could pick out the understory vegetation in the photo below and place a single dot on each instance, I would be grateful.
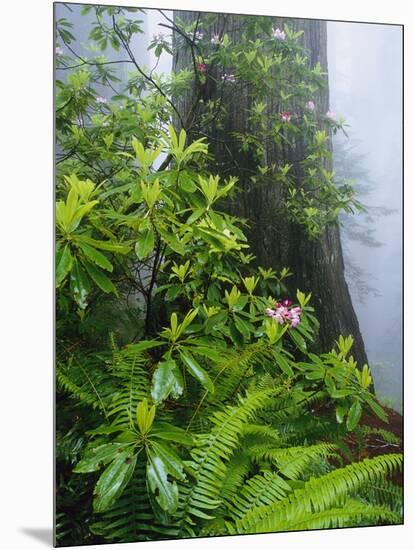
(190, 399)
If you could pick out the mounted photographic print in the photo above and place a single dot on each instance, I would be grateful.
(228, 274)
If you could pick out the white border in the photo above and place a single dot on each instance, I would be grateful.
(26, 276)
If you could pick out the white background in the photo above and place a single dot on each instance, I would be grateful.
(26, 230)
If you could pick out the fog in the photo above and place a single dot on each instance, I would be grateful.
(365, 80)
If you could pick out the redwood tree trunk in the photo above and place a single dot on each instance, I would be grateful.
(317, 265)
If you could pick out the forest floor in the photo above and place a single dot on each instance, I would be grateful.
(374, 444)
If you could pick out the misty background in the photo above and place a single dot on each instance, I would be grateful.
(365, 85)
(365, 81)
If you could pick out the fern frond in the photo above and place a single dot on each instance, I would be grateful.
(89, 381)
(384, 494)
(213, 450)
(293, 462)
(260, 490)
(128, 367)
(352, 513)
(318, 494)
(237, 469)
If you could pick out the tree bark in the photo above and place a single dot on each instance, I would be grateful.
(317, 265)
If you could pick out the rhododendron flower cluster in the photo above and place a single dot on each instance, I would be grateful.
(101, 99)
(159, 37)
(285, 116)
(283, 312)
(202, 67)
(331, 115)
(228, 77)
(310, 105)
(278, 34)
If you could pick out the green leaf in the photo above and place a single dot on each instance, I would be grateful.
(79, 284)
(169, 432)
(283, 364)
(113, 481)
(242, 326)
(145, 416)
(96, 257)
(195, 215)
(167, 379)
(354, 415)
(104, 245)
(235, 335)
(99, 277)
(341, 411)
(166, 493)
(376, 408)
(145, 243)
(195, 370)
(297, 339)
(170, 458)
(97, 457)
(64, 262)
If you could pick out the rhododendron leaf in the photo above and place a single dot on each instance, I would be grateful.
(197, 371)
(283, 364)
(97, 457)
(167, 379)
(341, 411)
(354, 415)
(79, 284)
(95, 256)
(113, 481)
(169, 432)
(242, 326)
(64, 262)
(376, 408)
(170, 458)
(216, 320)
(99, 277)
(145, 243)
(166, 493)
(235, 335)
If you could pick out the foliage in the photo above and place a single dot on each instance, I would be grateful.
(194, 412)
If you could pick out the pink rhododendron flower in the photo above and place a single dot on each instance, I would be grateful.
(278, 34)
(285, 313)
(285, 116)
(202, 67)
(331, 115)
(101, 99)
(310, 105)
(58, 50)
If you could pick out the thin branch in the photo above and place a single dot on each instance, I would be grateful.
(139, 69)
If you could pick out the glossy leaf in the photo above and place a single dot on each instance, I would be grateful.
(113, 481)
(197, 371)
(99, 277)
(64, 262)
(79, 284)
(145, 243)
(166, 492)
(167, 379)
(354, 415)
(96, 257)
(97, 457)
